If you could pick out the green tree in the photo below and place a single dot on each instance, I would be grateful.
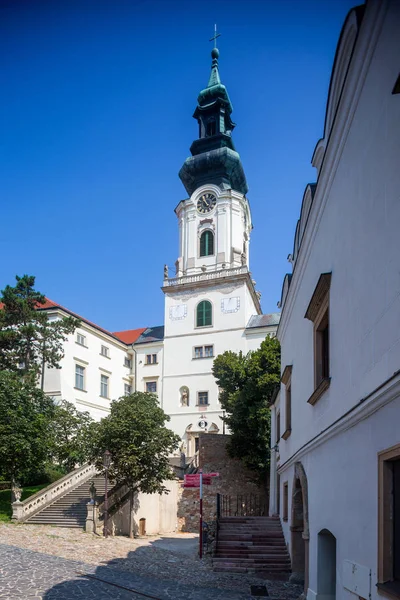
(28, 340)
(25, 416)
(247, 383)
(140, 444)
(71, 435)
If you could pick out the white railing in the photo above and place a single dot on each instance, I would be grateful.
(206, 276)
(25, 509)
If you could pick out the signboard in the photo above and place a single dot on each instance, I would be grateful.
(193, 481)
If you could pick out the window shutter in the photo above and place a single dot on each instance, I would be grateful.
(203, 245)
(204, 314)
(207, 313)
(207, 243)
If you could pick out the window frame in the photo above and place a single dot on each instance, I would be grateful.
(201, 350)
(153, 381)
(126, 393)
(318, 312)
(107, 384)
(285, 501)
(386, 583)
(127, 362)
(83, 375)
(206, 235)
(152, 361)
(80, 335)
(105, 351)
(286, 379)
(197, 326)
(202, 403)
(278, 425)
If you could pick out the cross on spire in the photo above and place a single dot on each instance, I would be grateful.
(215, 36)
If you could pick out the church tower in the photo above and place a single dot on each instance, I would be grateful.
(211, 299)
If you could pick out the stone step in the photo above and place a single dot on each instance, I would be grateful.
(228, 568)
(245, 552)
(254, 559)
(69, 510)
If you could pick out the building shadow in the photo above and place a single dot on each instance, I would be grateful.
(117, 580)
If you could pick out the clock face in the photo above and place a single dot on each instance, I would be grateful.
(206, 202)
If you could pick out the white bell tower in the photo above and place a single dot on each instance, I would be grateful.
(211, 297)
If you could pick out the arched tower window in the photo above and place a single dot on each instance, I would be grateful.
(207, 243)
(211, 128)
(204, 314)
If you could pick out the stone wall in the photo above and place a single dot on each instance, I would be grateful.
(234, 479)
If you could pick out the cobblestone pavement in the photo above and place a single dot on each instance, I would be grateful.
(43, 562)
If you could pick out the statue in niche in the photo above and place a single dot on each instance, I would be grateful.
(243, 259)
(185, 396)
(165, 271)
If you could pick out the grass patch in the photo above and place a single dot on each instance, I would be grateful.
(5, 500)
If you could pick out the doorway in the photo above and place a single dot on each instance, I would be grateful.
(326, 577)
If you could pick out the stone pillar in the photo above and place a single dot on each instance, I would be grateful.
(92, 516)
(17, 508)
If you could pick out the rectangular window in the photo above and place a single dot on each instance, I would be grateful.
(278, 426)
(151, 359)
(127, 389)
(285, 501)
(81, 339)
(151, 387)
(203, 351)
(104, 386)
(389, 521)
(203, 398)
(79, 377)
(105, 351)
(318, 313)
(286, 379)
(127, 362)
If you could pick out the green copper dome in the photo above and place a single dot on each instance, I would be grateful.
(214, 158)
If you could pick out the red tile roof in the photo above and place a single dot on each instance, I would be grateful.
(122, 336)
(130, 335)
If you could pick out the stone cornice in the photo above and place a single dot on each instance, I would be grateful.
(319, 295)
(356, 76)
(212, 278)
(384, 394)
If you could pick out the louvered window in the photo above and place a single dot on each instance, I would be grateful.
(207, 243)
(204, 314)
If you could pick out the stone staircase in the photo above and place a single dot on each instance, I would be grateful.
(251, 544)
(70, 509)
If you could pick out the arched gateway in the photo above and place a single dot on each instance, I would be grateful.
(300, 533)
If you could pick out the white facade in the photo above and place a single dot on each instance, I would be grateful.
(336, 512)
(91, 358)
(212, 273)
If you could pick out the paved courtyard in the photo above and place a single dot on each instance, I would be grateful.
(47, 563)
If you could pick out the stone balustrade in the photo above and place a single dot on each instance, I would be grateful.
(198, 277)
(23, 510)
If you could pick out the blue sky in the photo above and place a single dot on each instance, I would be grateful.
(96, 121)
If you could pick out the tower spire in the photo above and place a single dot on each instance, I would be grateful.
(214, 77)
(214, 158)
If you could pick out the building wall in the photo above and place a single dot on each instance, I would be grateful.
(159, 510)
(182, 369)
(352, 232)
(60, 383)
(230, 222)
(234, 480)
(149, 372)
